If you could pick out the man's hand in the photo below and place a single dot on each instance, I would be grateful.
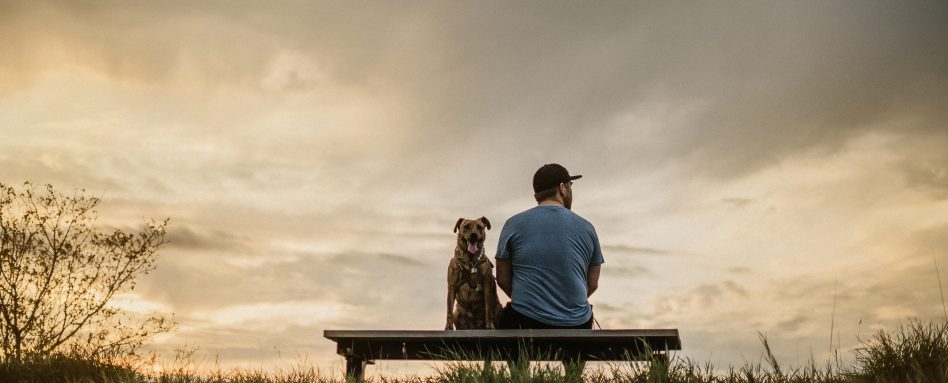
(592, 280)
(505, 276)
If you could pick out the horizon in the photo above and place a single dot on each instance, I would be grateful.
(772, 167)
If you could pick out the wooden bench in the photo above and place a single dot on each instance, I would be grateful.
(364, 347)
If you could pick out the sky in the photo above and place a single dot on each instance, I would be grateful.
(762, 167)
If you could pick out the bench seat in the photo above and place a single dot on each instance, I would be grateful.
(361, 347)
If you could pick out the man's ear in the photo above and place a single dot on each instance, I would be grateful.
(458, 225)
(486, 222)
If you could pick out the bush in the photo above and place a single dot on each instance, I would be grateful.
(58, 368)
(917, 352)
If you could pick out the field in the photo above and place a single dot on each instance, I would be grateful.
(916, 352)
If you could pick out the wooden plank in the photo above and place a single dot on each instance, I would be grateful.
(499, 334)
(502, 344)
(395, 350)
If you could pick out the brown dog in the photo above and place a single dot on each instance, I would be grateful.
(471, 280)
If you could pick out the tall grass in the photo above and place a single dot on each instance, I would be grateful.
(918, 352)
(915, 352)
(65, 368)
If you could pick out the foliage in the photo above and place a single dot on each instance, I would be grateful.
(918, 352)
(913, 353)
(58, 273)
(64, 368)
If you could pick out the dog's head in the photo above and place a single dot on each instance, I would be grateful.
(471, 233)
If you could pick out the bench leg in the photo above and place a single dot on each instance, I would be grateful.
(660, 357)
(488, 365)
(355, 369)
(574, 369)
(519, 370)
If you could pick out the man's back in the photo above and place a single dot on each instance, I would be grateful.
(550, 249)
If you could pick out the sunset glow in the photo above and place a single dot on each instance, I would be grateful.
(746, 166)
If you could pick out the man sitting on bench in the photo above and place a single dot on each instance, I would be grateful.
(548, 259)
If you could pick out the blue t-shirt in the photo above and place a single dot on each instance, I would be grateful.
(550, 250)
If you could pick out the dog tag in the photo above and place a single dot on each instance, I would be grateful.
(473, 270)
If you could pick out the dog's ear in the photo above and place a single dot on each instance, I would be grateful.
(458, 225)
(486, 222)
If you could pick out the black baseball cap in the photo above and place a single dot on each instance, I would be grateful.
(550, 175)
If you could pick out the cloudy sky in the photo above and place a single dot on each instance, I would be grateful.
(748, 166)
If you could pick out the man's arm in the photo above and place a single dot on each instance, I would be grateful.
(592, 279)
(505, 275)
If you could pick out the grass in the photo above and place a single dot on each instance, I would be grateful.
(915, 352)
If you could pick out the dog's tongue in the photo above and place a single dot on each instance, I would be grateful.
(472, 248)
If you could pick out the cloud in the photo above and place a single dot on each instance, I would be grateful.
(135, 303)
(737, 203)
(255, 317)
(928, 176)
(56, 165)
(739, 270)
(703, 296)
(401, 259)
(316, 155)
(183, 237)
(211, 282)
(793, 324)
(632, 250)
(627, 271)
(745, 100)
(922, 165)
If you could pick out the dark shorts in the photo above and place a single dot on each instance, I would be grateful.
(512, 319)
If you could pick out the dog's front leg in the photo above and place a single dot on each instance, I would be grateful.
(488, 284)
(449, 323)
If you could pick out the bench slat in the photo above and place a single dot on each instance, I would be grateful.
(474, 344)
(670, 335)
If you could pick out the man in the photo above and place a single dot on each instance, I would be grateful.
(548, 259)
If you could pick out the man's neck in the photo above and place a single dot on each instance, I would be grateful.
(550, 202)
